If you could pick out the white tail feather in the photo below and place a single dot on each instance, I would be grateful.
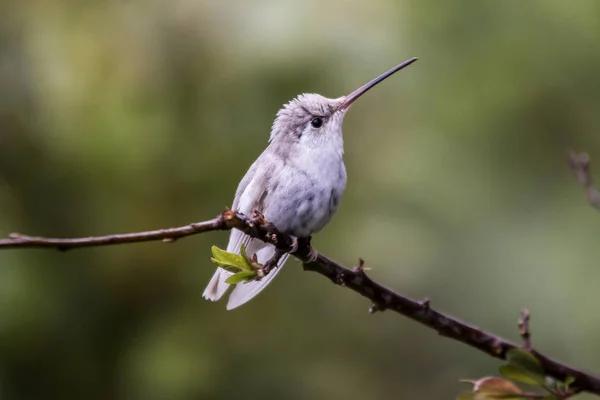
(217, 287)
(245, 292)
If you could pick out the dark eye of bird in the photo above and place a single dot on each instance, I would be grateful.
(317, 122)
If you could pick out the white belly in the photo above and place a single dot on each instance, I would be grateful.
(305, 204)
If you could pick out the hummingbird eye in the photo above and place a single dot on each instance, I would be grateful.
(317, 122)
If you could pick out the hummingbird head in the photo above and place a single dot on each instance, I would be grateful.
(316, 121)
(309, 119)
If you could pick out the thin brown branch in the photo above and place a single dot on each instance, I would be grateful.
(580, 166)
(445, 325)
(256, 227)
(271, 262)
(355, 279)
(166, 235)
(524, 329)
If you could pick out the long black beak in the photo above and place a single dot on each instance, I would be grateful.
(364, 88)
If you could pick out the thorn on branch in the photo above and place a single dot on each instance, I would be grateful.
(523, 324)
(426, 303)
(497, 347)
(169, 240)
(341, 279)
(376, 308)
(360, 268)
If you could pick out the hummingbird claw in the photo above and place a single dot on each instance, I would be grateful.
(313, 255)
(305, 242)
(294, 244)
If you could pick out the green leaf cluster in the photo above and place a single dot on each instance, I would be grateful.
(243, 268)
(523, 367)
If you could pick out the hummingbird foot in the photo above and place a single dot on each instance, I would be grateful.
(313, 255)
(294, 244)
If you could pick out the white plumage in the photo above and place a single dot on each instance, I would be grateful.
(296, 183)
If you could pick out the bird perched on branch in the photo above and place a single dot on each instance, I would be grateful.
(296, 183)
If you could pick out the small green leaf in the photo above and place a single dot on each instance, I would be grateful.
(525, 361)
(517, 374)
(240, 277)
(247, 259)
(224, 258)
(569, 381)
(227, 267)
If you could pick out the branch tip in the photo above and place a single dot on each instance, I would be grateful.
(523, 324)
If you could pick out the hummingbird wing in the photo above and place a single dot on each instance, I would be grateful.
(250, 196)
(217, 287)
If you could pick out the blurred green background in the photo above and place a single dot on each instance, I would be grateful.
(128, 115)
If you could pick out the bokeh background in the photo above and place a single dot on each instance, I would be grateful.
(130, 115)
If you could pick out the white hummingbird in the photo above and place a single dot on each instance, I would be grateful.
(296, 183)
